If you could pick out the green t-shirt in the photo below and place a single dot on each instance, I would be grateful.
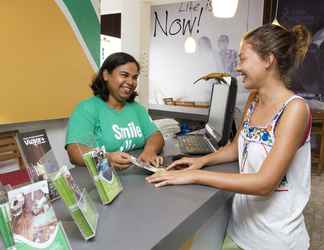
(94, 123)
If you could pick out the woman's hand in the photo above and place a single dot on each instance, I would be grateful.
(119, 160)
(151, 158)
(187, 163)
(163, 178)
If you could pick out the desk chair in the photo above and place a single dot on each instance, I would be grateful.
(318, 130)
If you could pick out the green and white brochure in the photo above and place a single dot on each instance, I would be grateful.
(34, 223)
(105, 178)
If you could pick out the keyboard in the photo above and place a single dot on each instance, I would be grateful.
(194, 145)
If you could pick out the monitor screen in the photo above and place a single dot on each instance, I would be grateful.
(217, 108)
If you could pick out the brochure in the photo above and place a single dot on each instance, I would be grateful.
(35, 145)
(80, 205)
(34, 223)
(105, 178)
(5, 220)
(145, 166)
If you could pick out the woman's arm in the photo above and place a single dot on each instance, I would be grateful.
(119, 160)
(75, 152)
(154, 143)
(289, 135)
(153, 146)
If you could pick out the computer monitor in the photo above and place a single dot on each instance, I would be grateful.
(221, 110)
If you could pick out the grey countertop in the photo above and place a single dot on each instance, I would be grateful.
(144, 217)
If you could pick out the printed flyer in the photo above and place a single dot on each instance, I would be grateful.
(33, 220)
(105, 178)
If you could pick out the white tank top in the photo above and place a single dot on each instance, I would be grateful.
(275, 222)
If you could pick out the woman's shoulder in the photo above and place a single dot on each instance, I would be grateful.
(296, 104)
(90, 104)
(136, 105)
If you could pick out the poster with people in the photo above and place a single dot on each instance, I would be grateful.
(34, 223)
(172, 70)
(309, 79)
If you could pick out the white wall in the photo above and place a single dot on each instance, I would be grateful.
(171, 70)
(136, 29)
(110, 7)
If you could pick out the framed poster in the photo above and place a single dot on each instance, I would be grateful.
(173, 69)
(309, 78)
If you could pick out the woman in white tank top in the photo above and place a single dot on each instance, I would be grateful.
(272, 146)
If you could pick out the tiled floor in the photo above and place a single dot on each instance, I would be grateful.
(314, 213)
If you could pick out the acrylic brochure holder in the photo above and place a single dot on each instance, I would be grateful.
(80, 205)
(104, 176)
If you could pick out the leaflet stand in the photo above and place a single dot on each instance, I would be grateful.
(104, 176)
(80, 205)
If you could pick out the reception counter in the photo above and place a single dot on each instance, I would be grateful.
(144, 217)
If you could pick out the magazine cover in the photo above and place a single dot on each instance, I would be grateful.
(80, 205)
(105, 178)
(35, 145)
(34, 223)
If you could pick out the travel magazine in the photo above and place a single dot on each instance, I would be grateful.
(33, 219)
(35, 144)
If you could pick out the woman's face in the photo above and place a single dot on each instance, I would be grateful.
(122, 81)
(251, 66)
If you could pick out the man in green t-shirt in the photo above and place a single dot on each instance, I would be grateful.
(112, 118)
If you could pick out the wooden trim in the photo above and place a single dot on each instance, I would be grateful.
(9, 149)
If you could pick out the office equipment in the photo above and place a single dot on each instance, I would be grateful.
(219, 124)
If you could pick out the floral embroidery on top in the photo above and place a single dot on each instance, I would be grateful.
(262, 135)
(256, 134)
